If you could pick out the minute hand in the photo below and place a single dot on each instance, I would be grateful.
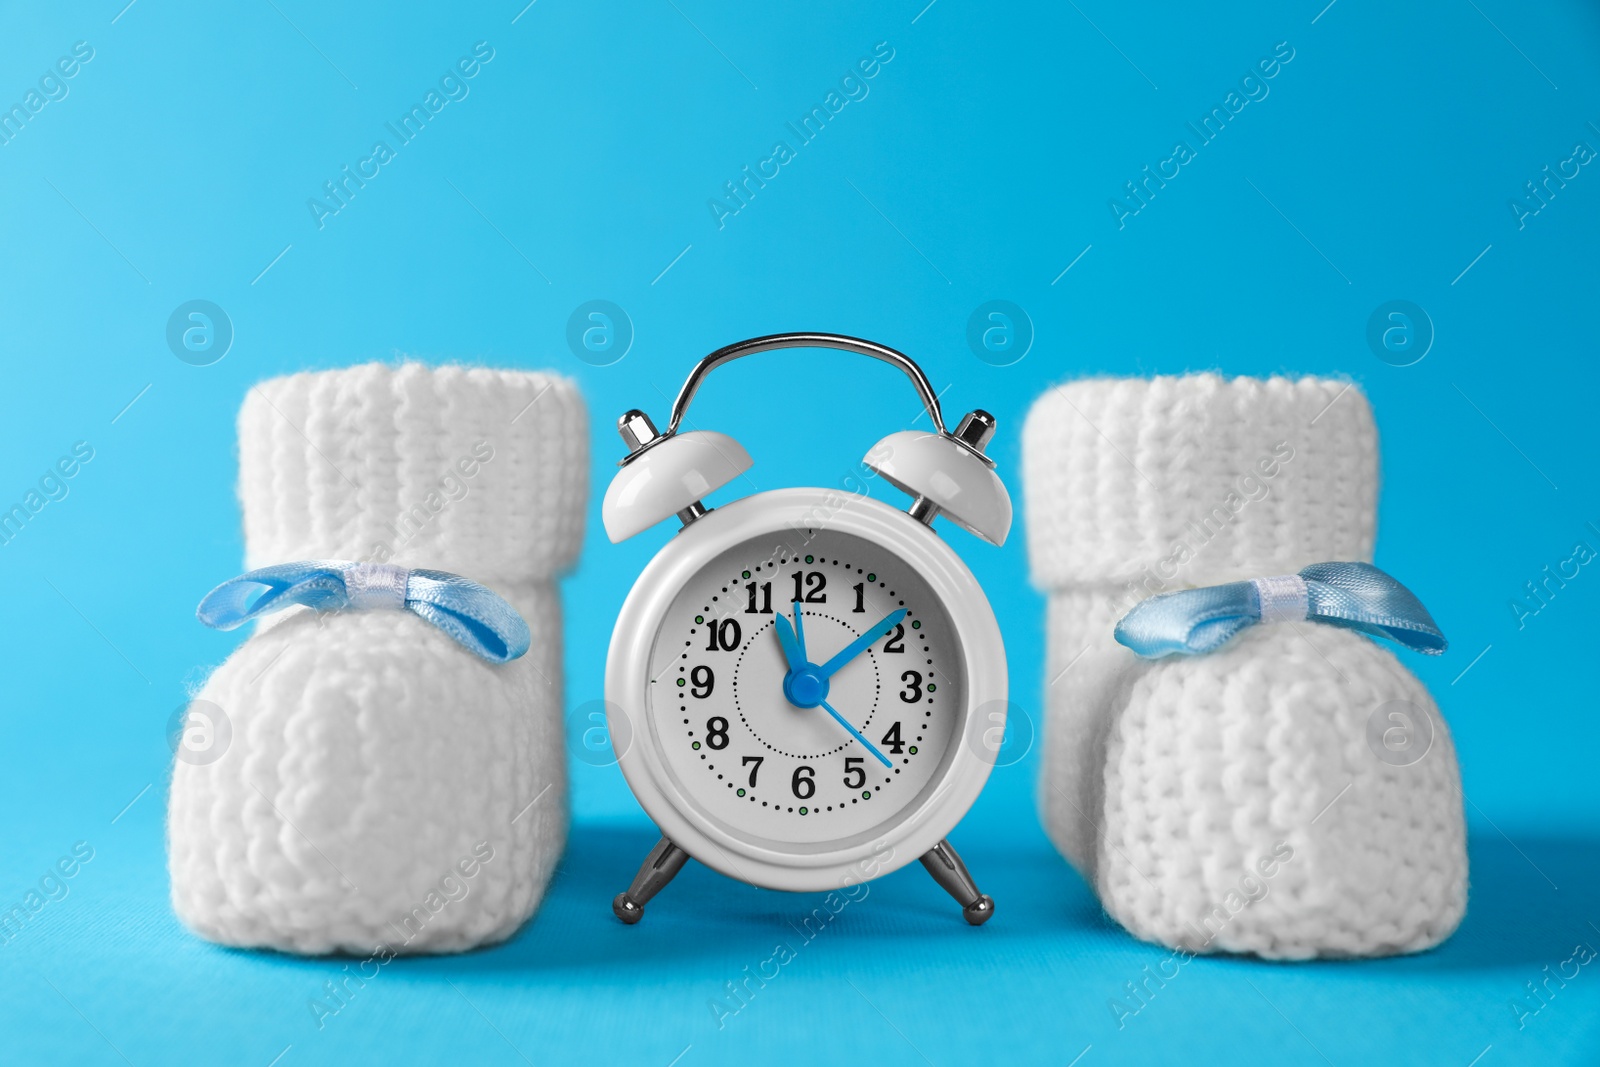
(860, 644)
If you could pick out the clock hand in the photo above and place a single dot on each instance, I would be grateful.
(792, 651)
(800, 634)
(868, 745)
(859, 645)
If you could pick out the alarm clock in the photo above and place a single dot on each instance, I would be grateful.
(805, 687)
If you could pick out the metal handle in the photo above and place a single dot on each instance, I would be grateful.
(772, 342)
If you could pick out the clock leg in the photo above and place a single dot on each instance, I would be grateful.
(948, 870)
(660, 867)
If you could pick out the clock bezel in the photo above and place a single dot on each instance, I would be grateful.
(788, 512)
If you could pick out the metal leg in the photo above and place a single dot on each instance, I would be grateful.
(660, 867)
(948, 870)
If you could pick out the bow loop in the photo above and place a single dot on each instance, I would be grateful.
(475, 617)
(1354, 596)
(315, 584)
(1362, 597)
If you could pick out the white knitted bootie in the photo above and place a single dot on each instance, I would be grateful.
(367, 783)
(1292, 794)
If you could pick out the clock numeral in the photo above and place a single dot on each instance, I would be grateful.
(812, 592)
(892, 741)
(854, 776)
(861, 596)
(766, 599)
(802, 783)
(913, 689)
(897, 640)
(717, 732)
(746, 761)
(725, 636)
(702, 681)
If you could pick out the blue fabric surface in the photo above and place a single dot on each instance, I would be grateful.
(895, 978)
(1392, 159)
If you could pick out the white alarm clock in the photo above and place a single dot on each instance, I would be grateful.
(806, 687)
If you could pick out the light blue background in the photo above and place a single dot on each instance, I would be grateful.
(979, 167)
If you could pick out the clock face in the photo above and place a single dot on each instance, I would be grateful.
(838, 756)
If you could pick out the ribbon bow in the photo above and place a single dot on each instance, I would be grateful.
(474, 616)
(1356, 596)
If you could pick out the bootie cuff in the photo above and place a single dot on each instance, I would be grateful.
(477, 471)
(1174, 482)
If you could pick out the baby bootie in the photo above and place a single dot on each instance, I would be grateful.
(1292, 793)
(368, 783)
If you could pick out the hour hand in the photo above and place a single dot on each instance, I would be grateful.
(792, 651)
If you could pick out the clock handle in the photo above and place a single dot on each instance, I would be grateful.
(945, 472)
(660, 867)
(948, 870)
(772, 342)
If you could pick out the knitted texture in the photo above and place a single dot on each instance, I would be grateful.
(1233, 801)
(374, 762)
(481, 472)
(1119, 473)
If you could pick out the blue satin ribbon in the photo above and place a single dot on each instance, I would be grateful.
(474, 616)
(1355, 596)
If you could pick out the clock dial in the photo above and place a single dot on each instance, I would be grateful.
(776, 765)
